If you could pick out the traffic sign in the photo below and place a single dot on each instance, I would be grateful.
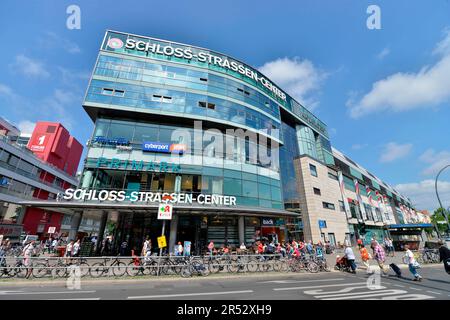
(162, 242)
(51, 230)
(165, 211)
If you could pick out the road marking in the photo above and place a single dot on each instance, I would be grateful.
(300, 281)
(399, 285)
(320, 292)
(365, 294)
(78, 299)
(190, 294)
(47, 292)
(433, 292)
(415, 289)
(361, 284)
(410, 296)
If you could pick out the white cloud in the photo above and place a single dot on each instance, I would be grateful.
(29, 67)
(423, 194)
(443, 47)
(359, 146)
(383, 53)
(52, 40)
(26, 126)
(404, 91)
(6, 91)
(300, 78)
(436, 161)
(393, 151)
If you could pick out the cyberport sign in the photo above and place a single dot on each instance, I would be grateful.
(188, 54)
(148, 197)
(163, 147)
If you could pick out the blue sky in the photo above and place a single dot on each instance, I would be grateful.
(384, 94)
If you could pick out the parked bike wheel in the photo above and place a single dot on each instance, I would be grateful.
(19, 271)
(214, 266)
(133, 269)
(312, 267)
(252, 265)
(119, 269)
(186, 272)
(40, 270)
(84, 269)
(98, 269)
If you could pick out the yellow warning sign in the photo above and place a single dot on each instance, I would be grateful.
(162, 242)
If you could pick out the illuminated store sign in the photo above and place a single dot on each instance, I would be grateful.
(148, 197)
(199, 55)
(115, 163)
(163, 147)
(113, 141)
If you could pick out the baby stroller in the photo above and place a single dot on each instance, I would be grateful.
(342, 264)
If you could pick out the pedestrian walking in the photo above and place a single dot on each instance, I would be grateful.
(444, 256)
(69, 249)
(54, 245)
(27, 252)
(179, 249)
(359, 242)
(365, 257)
(123, 248)
(76, 248)
(211, 248)
(350, 256)
(379, 255)
(413, 265)
(146, 248)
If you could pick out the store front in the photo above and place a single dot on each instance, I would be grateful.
(133, 223)
(410, 234)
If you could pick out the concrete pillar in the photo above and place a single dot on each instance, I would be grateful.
(173, 232)
(87, 179)
(76, 221)
(101, 230)
(241, 229)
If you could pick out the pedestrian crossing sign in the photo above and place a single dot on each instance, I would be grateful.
(162, 242)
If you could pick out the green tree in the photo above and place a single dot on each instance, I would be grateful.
(439, 220)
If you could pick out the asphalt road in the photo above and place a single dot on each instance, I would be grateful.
(322, 286)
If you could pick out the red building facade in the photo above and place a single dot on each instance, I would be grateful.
(53, 144)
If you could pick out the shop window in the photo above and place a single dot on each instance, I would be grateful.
(316, 191)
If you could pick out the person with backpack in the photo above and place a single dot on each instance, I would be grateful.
(444, 256)
(365, 257)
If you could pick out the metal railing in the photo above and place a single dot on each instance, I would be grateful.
(134, 266)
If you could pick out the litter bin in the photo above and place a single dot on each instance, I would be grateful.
(61, 251)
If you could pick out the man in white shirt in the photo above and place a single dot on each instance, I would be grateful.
(412, 263)
(348, 253)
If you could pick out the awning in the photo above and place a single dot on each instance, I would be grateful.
(420, 225)
(75, 206)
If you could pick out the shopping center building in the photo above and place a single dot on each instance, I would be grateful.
(232, 152)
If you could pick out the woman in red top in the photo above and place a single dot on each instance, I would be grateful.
(260, 248)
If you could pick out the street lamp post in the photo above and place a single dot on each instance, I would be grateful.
(439, 199)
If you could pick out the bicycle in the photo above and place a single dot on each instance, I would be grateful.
(194, 266)
(138, 267)
(99, 269)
